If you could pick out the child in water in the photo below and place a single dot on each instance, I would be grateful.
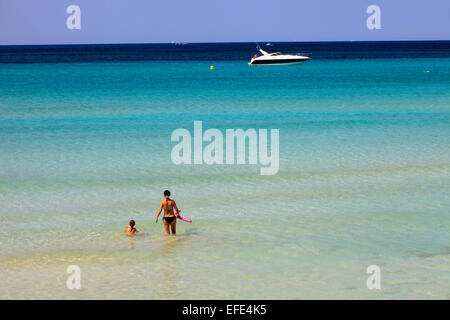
(131, 230)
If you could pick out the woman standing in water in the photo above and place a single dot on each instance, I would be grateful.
(169, 218)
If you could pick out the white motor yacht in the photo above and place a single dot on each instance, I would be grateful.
(276, 58)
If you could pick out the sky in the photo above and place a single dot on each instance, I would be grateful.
(148, 21)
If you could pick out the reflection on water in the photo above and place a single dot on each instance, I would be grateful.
(169, 282)
(131, 242)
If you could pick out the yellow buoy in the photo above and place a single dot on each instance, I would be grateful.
(212, 67)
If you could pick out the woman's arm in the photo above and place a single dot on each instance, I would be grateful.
(159, 212)
(176, 208)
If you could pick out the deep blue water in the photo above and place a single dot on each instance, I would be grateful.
(221, 51)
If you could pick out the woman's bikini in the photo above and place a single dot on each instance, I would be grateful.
(168, 211)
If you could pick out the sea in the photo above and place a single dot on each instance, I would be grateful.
(358, 209)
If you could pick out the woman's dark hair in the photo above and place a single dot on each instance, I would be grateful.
(167, 193)
(132, 223)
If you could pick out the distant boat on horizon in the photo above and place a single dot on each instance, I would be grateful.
(178, 43)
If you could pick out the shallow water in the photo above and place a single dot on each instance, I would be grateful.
(364, 179)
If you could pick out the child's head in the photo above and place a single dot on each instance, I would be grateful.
(166, 194)
(132, 223)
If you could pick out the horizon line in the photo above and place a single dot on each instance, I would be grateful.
(215, 42)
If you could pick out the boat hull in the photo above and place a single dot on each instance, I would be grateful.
(277, 61)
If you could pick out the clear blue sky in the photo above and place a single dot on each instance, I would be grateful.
(128, 21)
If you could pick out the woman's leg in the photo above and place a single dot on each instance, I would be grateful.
(173, 226)
(166, 226)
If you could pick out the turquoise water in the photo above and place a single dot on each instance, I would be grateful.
(364, 179)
